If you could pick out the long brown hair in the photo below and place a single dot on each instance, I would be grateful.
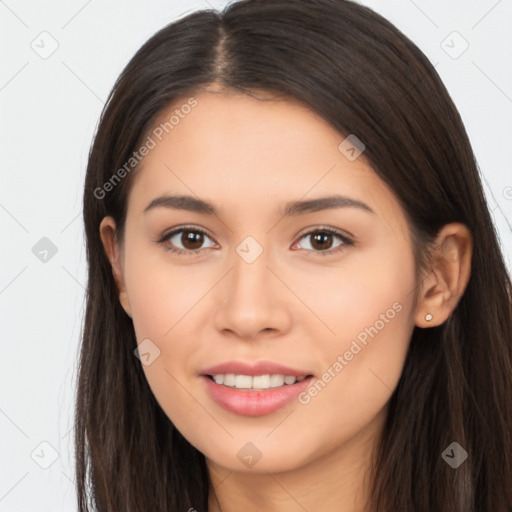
(362, 75)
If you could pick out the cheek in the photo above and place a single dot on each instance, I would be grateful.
(368, 288)
(371, 311)
(162, 295)
(371, 318)
(359, 379)
(165, 301)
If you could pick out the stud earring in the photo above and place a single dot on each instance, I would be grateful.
(428, 317)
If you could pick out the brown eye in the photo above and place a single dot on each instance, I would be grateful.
(186, 241)
(192, 239)
(322, 241)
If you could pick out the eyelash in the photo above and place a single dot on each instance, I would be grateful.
(347, 242)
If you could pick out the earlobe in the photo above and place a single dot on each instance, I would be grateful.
(113, 253)
(443, 286)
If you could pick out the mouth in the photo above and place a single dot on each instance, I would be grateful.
(256, 382)
(254, 395)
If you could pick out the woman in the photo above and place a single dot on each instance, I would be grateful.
(296, 297)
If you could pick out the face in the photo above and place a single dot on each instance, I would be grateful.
(259, 289)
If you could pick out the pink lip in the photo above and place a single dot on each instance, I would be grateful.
(253, 403)
(258, 368)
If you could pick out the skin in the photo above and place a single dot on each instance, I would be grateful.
(293, 304)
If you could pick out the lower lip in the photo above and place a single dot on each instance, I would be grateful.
(254, 403)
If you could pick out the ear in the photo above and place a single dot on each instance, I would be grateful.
(443, 286)
(114, 254)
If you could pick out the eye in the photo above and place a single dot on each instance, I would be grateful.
(322, 240)
(190, 237)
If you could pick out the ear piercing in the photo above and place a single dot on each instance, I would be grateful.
(428, 317)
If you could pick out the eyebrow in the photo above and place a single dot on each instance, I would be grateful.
(193, 204)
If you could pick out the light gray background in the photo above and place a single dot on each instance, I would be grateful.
(49, 110)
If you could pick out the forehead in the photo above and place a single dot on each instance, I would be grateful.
(234, 149)
(233, 125)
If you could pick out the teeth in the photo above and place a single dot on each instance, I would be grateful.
(229, 380)
(276, 381)
(257, 382)
(261, 382)
(243, 382)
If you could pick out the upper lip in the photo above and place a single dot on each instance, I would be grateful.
(255, 368)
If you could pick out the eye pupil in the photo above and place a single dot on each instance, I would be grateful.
(321, 237)
(193, 237)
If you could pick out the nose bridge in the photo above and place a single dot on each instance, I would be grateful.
(250, 278)
(251, 297)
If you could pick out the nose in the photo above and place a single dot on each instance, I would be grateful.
(252, 301)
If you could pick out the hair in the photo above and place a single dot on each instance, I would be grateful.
(362, 75)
